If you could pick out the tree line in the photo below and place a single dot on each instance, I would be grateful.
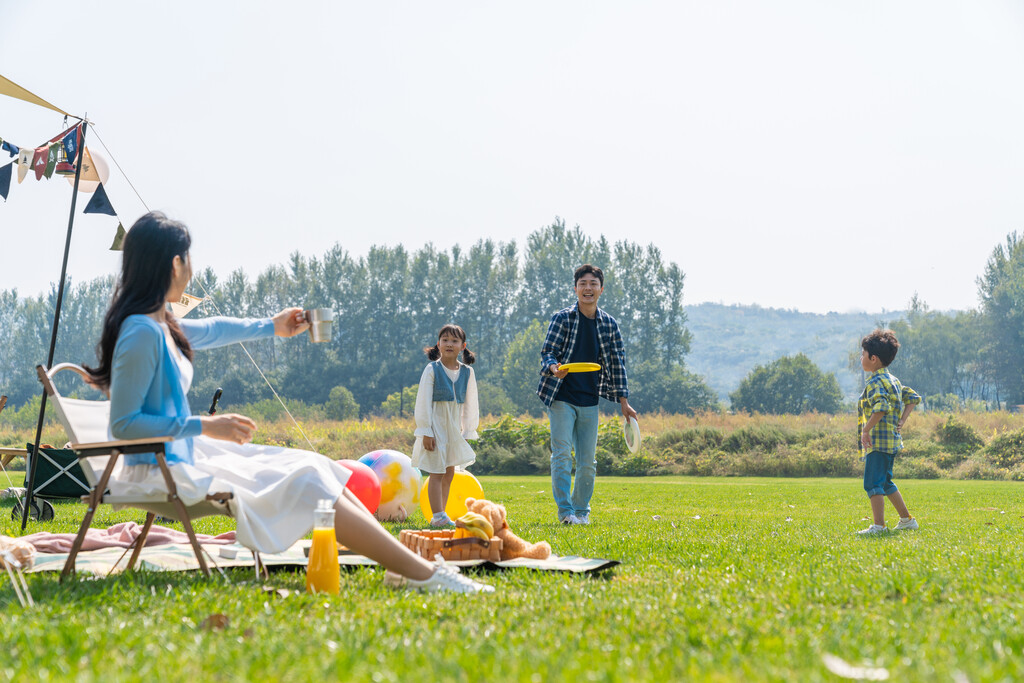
(388, 305)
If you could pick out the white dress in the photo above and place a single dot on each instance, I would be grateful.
(275, 489)
(449, 422)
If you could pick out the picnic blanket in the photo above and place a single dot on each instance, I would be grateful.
(119, 536)
(179, 557)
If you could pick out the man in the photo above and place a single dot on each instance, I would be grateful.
(578, 334)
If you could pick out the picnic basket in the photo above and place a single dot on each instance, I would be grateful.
(429, 542)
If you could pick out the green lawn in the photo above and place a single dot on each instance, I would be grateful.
(751, 579)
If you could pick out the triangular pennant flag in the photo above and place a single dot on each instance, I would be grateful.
(24, 162)
(5, 180)
(39, 161)
(118, 243)
(9, 147)
(185, 305)
(71, 144)
(51, 158)
(99, 203)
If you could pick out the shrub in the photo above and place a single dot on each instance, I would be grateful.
(979, 468)
(763, 437)
(916, 468)
(1006, 450)
(948, 460)
(958, 436)
(695, 440)
(400, 404)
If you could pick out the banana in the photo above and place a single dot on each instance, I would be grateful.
(476, 524)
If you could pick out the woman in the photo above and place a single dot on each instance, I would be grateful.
(145, 363)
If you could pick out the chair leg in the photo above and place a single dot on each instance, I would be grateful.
(140, 541)
(186, 521)
(94, 502)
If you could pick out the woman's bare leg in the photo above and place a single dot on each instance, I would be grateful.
(357, 529)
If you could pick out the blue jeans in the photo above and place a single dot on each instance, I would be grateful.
(573, 429)
(878, 474)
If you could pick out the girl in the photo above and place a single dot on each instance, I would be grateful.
(447, 413)
(145, 364)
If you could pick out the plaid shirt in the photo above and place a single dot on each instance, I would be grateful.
(883, 393)
(558, 346)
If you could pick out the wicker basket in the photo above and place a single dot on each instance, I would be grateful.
(429, 542)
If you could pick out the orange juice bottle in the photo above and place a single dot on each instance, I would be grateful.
(322, 573)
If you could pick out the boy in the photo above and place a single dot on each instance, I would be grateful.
(882, 411)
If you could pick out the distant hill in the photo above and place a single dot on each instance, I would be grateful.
(728, 341)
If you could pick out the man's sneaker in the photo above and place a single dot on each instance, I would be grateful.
(583, 519)
(446, 578)
(873, 529)
(909, 524)
(569, 519)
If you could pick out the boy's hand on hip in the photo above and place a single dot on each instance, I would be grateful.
(865, 438)
(428, 443)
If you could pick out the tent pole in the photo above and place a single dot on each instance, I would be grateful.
(34, 455)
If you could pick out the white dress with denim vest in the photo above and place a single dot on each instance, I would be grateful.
(275, 489)
(449, 422)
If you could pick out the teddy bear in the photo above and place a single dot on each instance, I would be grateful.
(511, 545)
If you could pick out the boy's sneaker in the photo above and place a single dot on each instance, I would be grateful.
(909, 524)
(583, 519)
(446, 578)
(873, 529)
(569, 519)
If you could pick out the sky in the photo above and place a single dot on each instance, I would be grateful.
(811, 155)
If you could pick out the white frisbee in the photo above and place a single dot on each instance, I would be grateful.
(631, 432)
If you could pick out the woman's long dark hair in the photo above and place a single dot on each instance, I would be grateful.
(146, 270)
(434, 352)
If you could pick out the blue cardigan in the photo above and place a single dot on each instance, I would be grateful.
(147, 397)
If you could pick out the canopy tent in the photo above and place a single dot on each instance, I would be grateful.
(12, 89)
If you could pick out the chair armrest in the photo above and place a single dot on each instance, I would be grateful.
(101, 448)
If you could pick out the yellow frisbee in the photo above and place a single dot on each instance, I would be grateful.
(580, 367)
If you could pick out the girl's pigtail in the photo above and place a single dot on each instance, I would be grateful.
(433, 352)
(468, 357)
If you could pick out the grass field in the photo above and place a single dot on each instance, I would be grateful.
(739, 579)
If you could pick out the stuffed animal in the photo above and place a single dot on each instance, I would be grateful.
(511, 545)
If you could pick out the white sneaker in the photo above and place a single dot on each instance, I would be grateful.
(583, 519)
(873, 529)
(569, 519)
(446, 578)
(909, 524)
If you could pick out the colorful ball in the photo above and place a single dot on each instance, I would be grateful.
(464, 486)
(363, 483)
(399, 483)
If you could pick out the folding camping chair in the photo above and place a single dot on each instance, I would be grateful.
(87, 424)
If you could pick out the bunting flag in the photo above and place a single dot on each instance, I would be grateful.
(24, 162)
(8, 147)
(51, 158)
(39, 161)
(187, 303)
(5, 180)
(71, 144)
(99, 202)
(118, 243)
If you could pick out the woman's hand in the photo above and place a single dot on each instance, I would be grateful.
(428, 443)
(290, 322)
(229, 427)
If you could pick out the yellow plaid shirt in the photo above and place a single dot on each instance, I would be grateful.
(883, 393)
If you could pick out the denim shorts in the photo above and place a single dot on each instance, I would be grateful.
(878, 474)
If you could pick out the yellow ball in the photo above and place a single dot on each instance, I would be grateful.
(464, 486)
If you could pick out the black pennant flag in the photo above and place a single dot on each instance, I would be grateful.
(99, 202)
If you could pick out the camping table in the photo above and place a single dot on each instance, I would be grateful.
(9, 454)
